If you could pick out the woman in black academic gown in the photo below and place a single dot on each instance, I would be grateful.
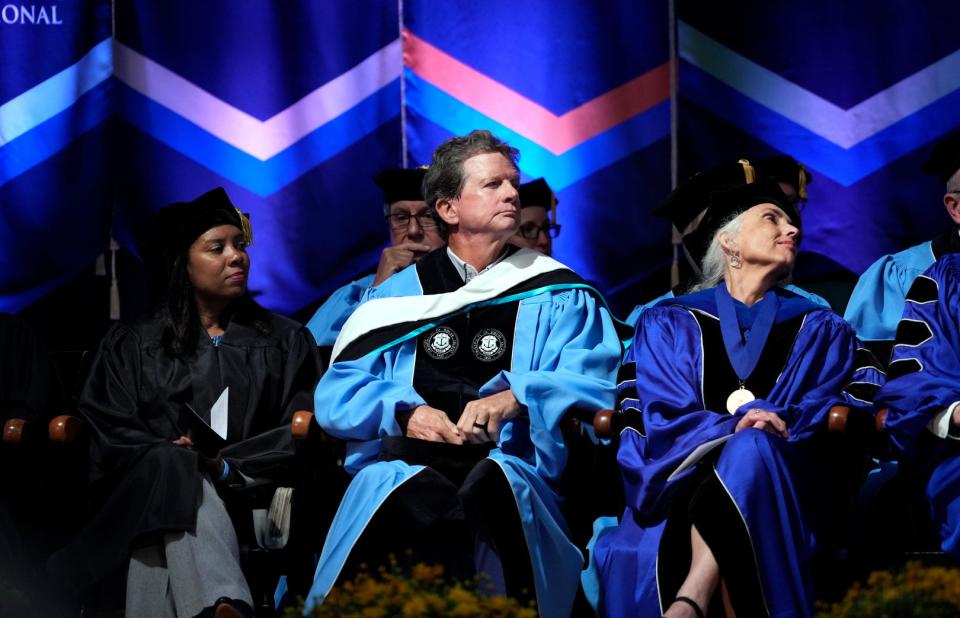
(209, 363)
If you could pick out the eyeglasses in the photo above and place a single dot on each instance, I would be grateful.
(400, 220)
(531, 230)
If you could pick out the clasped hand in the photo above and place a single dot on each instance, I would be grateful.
(764, 421)
(480, 422)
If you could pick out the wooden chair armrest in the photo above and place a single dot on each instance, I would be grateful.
(65, 428)
(838, 418)
(13, 430)
(859, 421)
(603, 424)
(300, 425)
(882, 419)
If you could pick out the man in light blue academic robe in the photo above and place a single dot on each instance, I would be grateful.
(449, 384)
(877, 301)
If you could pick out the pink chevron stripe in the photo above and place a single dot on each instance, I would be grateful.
(557, 134)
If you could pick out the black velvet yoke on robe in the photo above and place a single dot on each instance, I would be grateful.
(450, 381)
(132, 401)
(719, 378)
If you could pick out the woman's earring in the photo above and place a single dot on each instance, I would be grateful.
(735, 261)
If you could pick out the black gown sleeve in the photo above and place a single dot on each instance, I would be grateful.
(267, 455)
(124, 422)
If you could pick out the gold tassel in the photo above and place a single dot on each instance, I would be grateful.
(749, 175)
(802, 183)
(247, 228)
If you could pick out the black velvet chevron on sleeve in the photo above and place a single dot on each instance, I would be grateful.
(626, 382)
(902, 367)
(913, 333)
(923, 290)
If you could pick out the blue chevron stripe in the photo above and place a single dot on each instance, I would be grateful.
(560, 171)
(53, 135)
(261, 177)
(846, 166)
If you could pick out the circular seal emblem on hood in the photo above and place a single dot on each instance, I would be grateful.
(441, 344)
(489, 345)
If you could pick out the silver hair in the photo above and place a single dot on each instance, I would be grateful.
(714, 260)
(953, 183)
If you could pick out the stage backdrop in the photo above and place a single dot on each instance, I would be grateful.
(108, 110)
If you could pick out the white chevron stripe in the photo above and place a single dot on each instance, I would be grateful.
(261, 139)
(55, 94)
(845, 128)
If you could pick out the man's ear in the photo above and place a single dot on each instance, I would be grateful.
(951, 202)
(448, 211)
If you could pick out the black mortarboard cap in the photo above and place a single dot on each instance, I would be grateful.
(727, 203)
(401, 184)
(944, 161)
(784, 168)
(691, 197)
(537, 193)
(176, 226)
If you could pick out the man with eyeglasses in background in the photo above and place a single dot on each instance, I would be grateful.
(538, 217)
(877, 301)
(413, 234)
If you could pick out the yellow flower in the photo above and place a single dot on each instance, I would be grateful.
(464, 610)
(925, 589)
(435, 603)
(458, 594)
(415, 607)
(427, 573)
(422, 593)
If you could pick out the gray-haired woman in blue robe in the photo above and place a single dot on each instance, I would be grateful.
(728, 385)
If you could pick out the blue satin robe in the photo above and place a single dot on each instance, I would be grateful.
(761, 472)
(326, 323)
(924, 379)
(634, 316)
(565, 355)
